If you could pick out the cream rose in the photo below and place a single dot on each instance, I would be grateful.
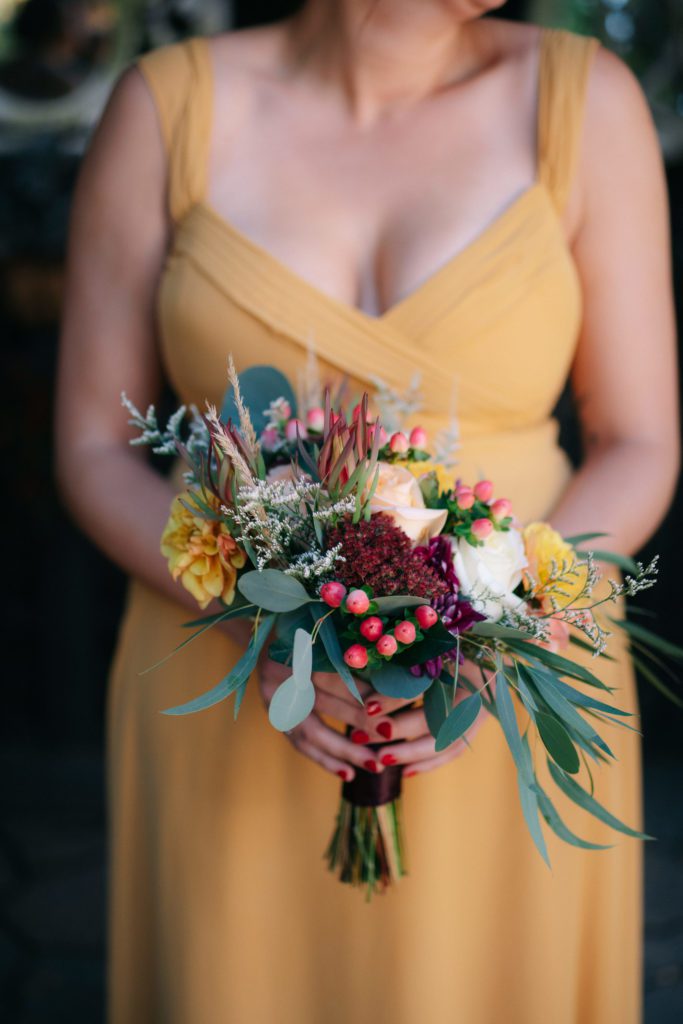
(398, 494)
(489, 573)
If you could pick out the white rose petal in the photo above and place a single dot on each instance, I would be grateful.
(489, 573)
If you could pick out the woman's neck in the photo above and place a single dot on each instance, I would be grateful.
(384, 55)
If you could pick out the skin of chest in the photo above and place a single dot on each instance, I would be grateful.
(366, 214)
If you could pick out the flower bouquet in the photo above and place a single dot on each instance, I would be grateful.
(351, 552)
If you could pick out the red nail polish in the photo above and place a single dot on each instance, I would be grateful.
(371, 766)
(359, 736)
(385, 729)
(343, 774)
(409, 773)
(388, 760)
(373, 707)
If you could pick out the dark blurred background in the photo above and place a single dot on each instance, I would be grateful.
(58, 60)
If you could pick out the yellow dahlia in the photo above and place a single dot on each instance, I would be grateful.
(201, 552)
(555, 574)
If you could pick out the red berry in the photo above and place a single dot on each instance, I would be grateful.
(405, 632)
(333, 593)
(418, 437)
(371, 628)
(357, 602)
(386, 645)
(426, 616)
(465, 497)
(356, 656)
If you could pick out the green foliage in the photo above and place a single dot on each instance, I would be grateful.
(273, 590)
(260, 385)
(238, 676)
(294, 699)
(459, 720)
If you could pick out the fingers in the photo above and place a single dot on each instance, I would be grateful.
(331, 746)
(420, 755)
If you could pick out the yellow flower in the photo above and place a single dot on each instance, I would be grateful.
(445, 477)
(201, 552)
(555, 574)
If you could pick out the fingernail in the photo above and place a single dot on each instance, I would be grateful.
(373, 707)
(388, 760)
(371, 766)
(343, 774)
(409, 773)
(385, 729)
(359, 736)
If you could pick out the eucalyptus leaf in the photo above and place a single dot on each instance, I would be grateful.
(460, 719)
(272, 590)
(394, 680)
(260, 385)
(302, 658)
(292, 702)
(578, 794)
(557, 742)
(436, 706)
(328, 635)
(238, 675)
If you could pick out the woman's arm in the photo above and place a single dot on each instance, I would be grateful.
(624, 377)
(118, 239)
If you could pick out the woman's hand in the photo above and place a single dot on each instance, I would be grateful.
(380, 720)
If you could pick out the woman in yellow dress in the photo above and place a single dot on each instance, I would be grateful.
(416, 189)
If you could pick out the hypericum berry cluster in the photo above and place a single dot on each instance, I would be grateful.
(402, 448)
(472, 512)
(374, 638)
(283, 429)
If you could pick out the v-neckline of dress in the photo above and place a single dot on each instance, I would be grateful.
(431, 283)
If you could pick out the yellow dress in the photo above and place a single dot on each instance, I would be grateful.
(222, 909)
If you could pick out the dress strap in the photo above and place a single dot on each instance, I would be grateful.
(179, 79)
(565, 61)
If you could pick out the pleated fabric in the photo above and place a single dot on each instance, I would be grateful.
(221, 909)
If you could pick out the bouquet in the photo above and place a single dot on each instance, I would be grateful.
(351, 552)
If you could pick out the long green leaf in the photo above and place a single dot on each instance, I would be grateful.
(188, 640)
(508, 721)
(585, 646)
(562, 666)
(584, 701)
(397, 601)
(492, 629)
(654, 680)
(460, 719)
(622, 562)
(570, 718)
(273, 590)
(555, 822)
(557, 742)
(237, 676)
(575, 792)
(582, 538)
(646, 636)
(529, 802)
(328, 635)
